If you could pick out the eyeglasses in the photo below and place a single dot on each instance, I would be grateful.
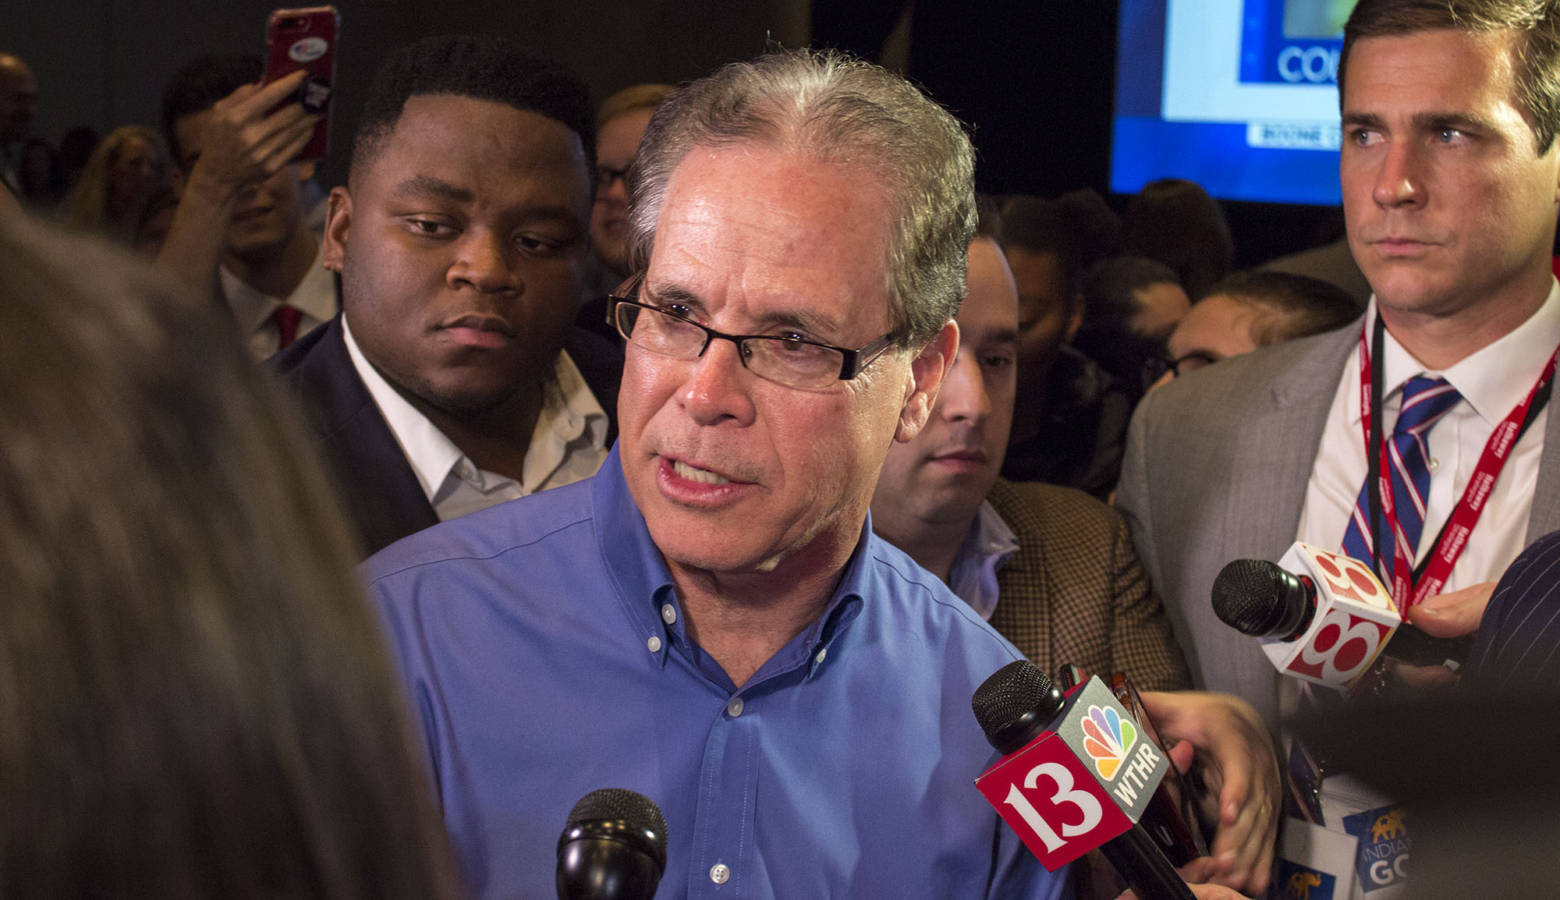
(1155, 367)
(791, 361)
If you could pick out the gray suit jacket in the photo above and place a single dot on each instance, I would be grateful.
(1216, 469)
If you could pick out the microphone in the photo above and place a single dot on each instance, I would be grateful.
(1323, 617)
(1170, 818)
(612, 848)
(1060, 805)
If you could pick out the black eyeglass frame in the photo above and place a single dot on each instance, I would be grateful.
(1156, 366)
(852, 362)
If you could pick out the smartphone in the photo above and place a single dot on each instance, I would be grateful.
(305, 38)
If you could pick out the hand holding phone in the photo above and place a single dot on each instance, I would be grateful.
(304, 39)
(247, 138)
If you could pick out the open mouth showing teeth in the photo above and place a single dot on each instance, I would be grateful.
(702, 476)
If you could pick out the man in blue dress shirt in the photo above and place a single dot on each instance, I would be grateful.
(710, 620)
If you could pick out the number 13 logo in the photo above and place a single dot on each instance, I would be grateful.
(1066, 795)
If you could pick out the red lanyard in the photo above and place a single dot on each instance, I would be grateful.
(1411, 587)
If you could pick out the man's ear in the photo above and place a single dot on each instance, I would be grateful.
(1074, 321)
(338, 221)
(926, 375)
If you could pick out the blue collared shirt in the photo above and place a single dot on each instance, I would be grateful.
(544, 648)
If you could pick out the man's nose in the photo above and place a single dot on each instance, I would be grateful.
(963, 396)
(1400, 179)
(718, 386)
(483, 262)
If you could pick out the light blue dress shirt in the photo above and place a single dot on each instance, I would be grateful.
(986, 549)
(544, 648)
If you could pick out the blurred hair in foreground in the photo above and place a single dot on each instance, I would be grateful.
(194, 698)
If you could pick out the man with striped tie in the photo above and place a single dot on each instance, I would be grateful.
(1418, 439)
(1450, 182)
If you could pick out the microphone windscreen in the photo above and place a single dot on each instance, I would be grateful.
(1249, 596)
(637, 814)
(1014, 704)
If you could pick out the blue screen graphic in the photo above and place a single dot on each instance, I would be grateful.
(1237, 95)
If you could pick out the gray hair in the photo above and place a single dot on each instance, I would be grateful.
(844, 111)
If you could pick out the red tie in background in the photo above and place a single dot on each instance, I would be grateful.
(286, 319)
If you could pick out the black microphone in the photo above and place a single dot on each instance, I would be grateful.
(1264, 600)
(613, 847)
(1257, 597)
(1019, 709)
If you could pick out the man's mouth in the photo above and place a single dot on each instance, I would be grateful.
(693, 473)
(478, 330)
(1393, 243)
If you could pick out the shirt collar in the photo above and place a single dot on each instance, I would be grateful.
(1493, 380)
(989, 544)
(431, 453)
(315, 296)
(644, 584)
(568, 409)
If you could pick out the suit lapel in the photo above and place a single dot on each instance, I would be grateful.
(1278, 436)
(375, 482)
(1285, 438)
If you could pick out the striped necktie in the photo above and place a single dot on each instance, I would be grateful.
(1425, 401)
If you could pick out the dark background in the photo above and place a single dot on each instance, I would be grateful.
(1033, 78)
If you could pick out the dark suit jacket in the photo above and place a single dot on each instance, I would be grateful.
(1075, 592)
(375, 483)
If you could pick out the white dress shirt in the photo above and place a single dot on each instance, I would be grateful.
(314, 297)
(567, 445)
(1492, 382)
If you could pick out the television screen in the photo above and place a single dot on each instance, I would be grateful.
(1239, 96)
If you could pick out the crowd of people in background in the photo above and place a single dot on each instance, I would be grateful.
(562, 328)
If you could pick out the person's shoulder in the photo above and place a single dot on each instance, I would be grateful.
(917, 605)
(1037, 496)
(1251, 370)
(1223, 387)
(1061, 512)
(542, 526)
(307, 351)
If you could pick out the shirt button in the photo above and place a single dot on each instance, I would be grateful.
(654, 644)
(719, 873)
(822, 653)
(668, 613)
(734, 708)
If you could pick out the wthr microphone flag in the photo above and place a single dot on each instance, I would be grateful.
(1086, 780)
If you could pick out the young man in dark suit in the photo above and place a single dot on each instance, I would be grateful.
(453, 380)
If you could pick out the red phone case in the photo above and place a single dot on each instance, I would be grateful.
(305, 38)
